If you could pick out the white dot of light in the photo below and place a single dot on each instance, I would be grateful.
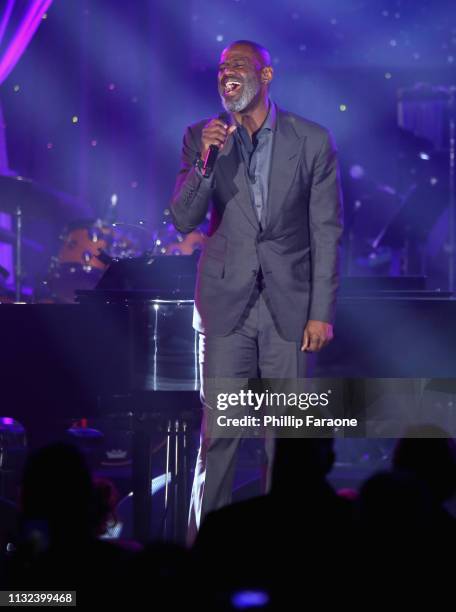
(450, 59)
(244, 600)
(219, 37)
(385, 13)
(16, 88)
(114, 199)
(94, 142)
(434, 180)
(357, 171)
(333, 21)
(424, 155)
(393, 42)
(49, 145)
(74, 118)
(111, 86)
(45, 16)
(388, 75)
(342, 108)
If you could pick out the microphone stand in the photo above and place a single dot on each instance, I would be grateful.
(18, 266)
(452, 194)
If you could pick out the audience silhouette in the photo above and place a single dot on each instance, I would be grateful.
(303, 539)
(290, 541)
(58, 546)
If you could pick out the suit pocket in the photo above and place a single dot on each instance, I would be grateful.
(209, 266)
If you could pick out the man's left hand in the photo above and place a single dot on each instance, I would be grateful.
(317, 334)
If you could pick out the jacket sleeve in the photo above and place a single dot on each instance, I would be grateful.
(192, 192)
(326, 226)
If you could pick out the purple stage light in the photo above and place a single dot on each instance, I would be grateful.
(32, 16)
(244, 600)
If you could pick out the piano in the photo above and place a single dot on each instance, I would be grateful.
(133, 350)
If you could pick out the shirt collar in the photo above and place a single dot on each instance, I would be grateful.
(271, 118)
(269, 122)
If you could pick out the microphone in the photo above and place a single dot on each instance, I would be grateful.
(212, 154)
(210, 160)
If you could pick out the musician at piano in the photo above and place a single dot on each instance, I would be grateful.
(269, 272)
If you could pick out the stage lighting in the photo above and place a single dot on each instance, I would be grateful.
(245, 600)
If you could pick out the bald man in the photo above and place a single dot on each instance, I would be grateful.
(268, 275)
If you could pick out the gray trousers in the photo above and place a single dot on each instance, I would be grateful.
(253, 350)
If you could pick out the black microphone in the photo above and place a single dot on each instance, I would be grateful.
(212, 154)
(211, 158)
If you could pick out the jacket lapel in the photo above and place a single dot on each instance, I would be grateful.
(285, 158)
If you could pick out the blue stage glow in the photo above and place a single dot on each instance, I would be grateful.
(244, 600)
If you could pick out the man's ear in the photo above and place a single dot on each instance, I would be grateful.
(266, 74)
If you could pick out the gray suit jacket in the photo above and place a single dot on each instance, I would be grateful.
(298, 248)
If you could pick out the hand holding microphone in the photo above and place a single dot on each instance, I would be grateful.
(213, 139)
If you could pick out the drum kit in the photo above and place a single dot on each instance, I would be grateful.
(86, 246)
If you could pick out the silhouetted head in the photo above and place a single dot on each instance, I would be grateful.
(429, 453)
(393, 500)
(57, 489)
(302, 461)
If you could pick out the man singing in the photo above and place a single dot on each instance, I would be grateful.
(268, 275)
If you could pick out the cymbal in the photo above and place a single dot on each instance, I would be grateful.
(35, 199)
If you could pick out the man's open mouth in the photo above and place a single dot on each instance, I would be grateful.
(231, 87)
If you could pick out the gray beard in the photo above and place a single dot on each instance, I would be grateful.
(251, 89)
